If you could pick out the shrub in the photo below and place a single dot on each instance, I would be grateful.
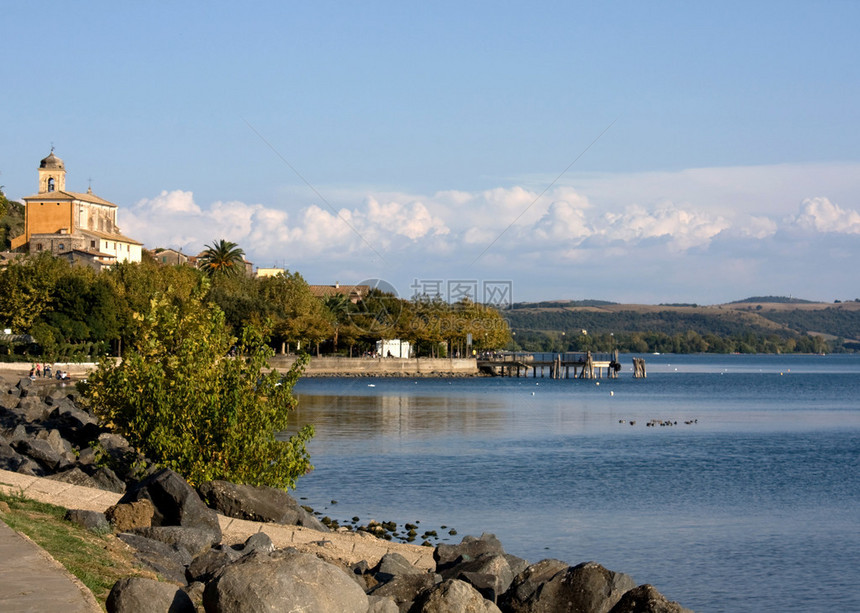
(179, 398)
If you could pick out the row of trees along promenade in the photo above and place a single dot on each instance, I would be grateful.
(73, 312)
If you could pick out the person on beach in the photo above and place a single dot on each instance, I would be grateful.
(47, 371)
(39, 370)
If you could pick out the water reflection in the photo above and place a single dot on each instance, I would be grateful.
(397, 416)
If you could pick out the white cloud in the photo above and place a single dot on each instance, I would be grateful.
(821, 215)
(518, 232)
(681, 228)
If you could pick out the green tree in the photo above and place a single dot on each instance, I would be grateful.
(27, 289)
(297, 315)
(338, 307)
(222, 258)
(180, 400)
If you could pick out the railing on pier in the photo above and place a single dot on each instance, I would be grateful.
(579, 364)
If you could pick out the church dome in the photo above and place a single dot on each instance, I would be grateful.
(52, 162)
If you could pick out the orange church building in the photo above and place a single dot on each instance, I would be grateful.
(77, 226)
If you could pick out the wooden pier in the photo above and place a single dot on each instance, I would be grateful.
(576, 365)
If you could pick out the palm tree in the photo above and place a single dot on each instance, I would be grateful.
(338, 306)
(222, 258)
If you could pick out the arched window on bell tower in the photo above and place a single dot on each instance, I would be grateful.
(50, 184)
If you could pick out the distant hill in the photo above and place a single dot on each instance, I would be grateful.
(754, 324)
(773, 300)
(547, 304)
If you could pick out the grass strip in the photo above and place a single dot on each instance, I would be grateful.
(97, 560)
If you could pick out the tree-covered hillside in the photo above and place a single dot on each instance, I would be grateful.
(738, 327)
(11, 220)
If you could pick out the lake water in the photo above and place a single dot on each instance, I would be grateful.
(753, 507)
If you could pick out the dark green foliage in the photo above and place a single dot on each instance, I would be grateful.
(11, 221)
(223, 257)
(182, 401)
(773, 300)
(834, 321)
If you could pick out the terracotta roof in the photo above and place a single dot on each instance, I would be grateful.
(61, 195)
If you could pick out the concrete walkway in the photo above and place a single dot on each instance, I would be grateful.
(31, 580)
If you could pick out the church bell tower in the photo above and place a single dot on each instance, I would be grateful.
(52, 174)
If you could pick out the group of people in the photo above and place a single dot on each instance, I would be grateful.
(37, 371)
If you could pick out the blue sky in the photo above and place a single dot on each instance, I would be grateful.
(711, 151)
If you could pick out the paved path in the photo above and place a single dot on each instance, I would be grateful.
(33, 581)
(30, 578)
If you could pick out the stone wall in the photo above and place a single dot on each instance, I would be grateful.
(382, 366)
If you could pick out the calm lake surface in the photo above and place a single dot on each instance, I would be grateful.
(755, 507)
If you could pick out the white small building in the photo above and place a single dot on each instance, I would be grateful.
(394, 348)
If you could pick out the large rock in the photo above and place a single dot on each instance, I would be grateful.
(404, 589)
(9, 458)
(175, 502)
(469, 549)
(141, 595)
(205, 566)
(584, 588)
(490, 574)
(57, 443)
(285, 580)
(9, 398)
(106, 479)
(254, 503)
(31, 409)
(527, 582)
(646, 599)
(42, 452)
(380, 604)
(91, 520)
(453, 596)
(393, 564)
(167, 560)
(194, 541)
(128, 516)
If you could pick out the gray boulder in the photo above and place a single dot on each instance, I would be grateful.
(167, 560)
(646, 599)
(393, 564)
(404, 589)
(91, 520)
(74, 476)
(285, 580)
(490, 574)
(106, 479)
(527, 582)
(175, 502)
(584, 588)
(254, 503)
(381, 604)
(517, 564)
(31, 409)
(141, 595)
(452, 596)
(194, 541)
(205, 566)
(23, 386)
(42, 452)
(57, 443)
(469, 549)
(259, 541)
(9, 398)
(9, 458)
